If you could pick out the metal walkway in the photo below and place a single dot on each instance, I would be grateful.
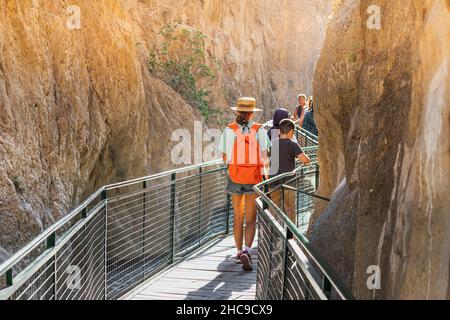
(209, 274)
(167, 236)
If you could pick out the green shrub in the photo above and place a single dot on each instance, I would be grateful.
(180, 61)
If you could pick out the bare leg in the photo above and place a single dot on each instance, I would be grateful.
(250, 218)
(238, 206)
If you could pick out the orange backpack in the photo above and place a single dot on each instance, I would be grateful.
(246, 166)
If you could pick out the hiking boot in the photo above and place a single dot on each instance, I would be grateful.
(246, 260)
(238, 258)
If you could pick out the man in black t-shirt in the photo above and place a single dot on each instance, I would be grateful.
(284, 153)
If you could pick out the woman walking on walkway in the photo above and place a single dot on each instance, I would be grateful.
(244, 144)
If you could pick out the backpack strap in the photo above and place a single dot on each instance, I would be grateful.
(233, 126)
(256, 126)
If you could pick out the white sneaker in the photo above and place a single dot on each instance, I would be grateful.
(238, 258)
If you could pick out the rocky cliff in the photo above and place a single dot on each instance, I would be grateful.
(79, 109)
(384, 121)
(268, 49)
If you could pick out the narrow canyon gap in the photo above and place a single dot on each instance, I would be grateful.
(79, 109)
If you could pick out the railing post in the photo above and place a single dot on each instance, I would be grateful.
(317, 177)
(264, 203)
(172, 217)
(144, 207)
(9, 277)
(103, 197)
(227, 227)
(51, 242)
(289, 236)
(199, 206)
(326, 286)
(84, 213)
(297, 193)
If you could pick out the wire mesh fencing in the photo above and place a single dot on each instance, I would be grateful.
(156, 222)
(122, 235)
(125, 233)
(288, 268)
(65, 262)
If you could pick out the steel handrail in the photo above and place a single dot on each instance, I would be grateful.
(163, 174)
(342, 291)
(101, 194)
(48, 253)
(22, 253)
(36, 242)
(10, 262)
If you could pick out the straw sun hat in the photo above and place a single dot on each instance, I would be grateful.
(246, 105)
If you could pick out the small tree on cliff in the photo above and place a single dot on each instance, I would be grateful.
(180, 61)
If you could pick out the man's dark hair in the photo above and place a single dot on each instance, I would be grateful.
(286, 126)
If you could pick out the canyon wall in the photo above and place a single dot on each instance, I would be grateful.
(384, 123)
(267, 48)
(79, 109)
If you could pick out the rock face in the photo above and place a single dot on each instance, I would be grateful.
(78, 108)
(268, 48)
(384, 121)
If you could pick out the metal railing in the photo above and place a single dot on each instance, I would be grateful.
(121, 235)
(306, 138)
(125, 233)
(288, 267)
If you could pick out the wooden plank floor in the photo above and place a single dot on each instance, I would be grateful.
(210, 274)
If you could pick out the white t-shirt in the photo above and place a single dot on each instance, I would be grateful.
(226, 142)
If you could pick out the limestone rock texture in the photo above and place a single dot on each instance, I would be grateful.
(383, 114)
(268, 49)
(79, 109)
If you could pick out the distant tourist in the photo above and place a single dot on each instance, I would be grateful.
(309, 124)
(244, 146)
(284, 154)
(299, 113)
